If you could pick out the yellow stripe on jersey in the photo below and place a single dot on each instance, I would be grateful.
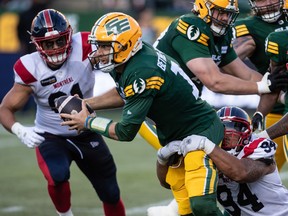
(154, 83)
(182, 26)
(272, 47)
(151, 83)
(203, 39)
(129, 91)
(241, 30)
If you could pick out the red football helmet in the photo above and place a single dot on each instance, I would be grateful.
(49, 27)
(237, 128)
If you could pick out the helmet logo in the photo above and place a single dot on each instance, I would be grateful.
(139, 86)
(193, 32)
(117, 26)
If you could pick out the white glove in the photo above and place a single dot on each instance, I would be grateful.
(263, 85)
(165, 152)
(262, 134)
(196, 142)
(27, 135)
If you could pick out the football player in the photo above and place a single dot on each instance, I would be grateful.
(60, 66)
(276, 47)
(202, 44)
(251, 33)
(150, 83)
(249, 181)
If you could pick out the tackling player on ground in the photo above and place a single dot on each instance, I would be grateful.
(249, 182)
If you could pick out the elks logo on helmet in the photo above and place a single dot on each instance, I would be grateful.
(117, 26)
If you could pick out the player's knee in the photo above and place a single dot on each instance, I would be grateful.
(204, 205)
(60, 176)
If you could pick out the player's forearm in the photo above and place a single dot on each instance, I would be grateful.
(108, 100)
(278, 129)
(228, 164)
(243, 171)
(266, 103)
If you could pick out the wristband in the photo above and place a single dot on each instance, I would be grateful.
(16, 128)
(86, 124)
(281, 99)
(100, 125)
(208, 146)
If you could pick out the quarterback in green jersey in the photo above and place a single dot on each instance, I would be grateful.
(251, 33)
(150, 83)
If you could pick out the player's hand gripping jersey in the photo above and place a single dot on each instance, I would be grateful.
(255, 198)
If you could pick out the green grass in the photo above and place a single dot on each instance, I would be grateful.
(23, 188)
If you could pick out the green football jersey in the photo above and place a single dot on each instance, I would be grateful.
(276, 47)
(153, 85)
(259, 30)
(189, 37)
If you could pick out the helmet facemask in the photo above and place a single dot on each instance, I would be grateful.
(217, 26)
(50, 27)
(55, 56)
(236, 134)
(268, 13)
(220, 14)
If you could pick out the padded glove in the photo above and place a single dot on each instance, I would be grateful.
(257, 121)
(27, 135)
(164, 153)
(272, 82)
(196, 142)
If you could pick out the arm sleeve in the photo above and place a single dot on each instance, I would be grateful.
(134, 113)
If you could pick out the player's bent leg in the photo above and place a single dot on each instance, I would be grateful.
(176, 179)
(280, 158)
(201, 183)
(148, 132)
(54, 164)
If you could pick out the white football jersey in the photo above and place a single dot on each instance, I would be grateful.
(75, 76)
(266, 196)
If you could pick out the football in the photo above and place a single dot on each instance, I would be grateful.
(70, 105)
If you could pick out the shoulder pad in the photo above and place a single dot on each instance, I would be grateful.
(194, 28)
(259, 148)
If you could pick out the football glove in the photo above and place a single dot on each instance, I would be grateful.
(272, 82)
(195, 143)
(164, 153)
(257, 121)
(27, 135)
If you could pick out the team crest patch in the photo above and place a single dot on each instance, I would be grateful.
(193, 32)
(139, 86)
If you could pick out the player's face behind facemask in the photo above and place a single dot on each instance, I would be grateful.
(51, 33)
(237, 130)
(117, 33)
(220, 14)
(268, 10)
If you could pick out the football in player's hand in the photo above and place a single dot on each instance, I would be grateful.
(70, 105)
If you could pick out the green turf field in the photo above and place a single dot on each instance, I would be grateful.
(23, 188)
